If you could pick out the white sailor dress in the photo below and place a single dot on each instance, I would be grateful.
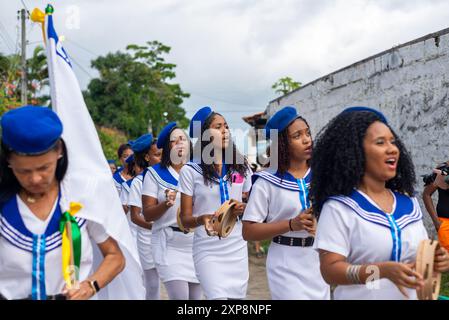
(293, 272)
(172, 249)
(221, 264)
(143, 235)
(124, 199)
(356, 228)
(31, 253)
(118, 180)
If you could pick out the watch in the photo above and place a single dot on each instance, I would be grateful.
(94, 285)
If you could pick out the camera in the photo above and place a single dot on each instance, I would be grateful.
(430, 178)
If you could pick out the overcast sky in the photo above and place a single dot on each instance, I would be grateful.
(229, 52)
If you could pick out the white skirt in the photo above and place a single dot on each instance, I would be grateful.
(221, 264)
(172, 253)
(144, 248)
(294, 274)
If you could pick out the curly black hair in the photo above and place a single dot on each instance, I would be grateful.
(209, 169)
(283, 149)
(338, 162)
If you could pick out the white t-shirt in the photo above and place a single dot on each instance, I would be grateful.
(154, 186)
(16, 260)
(350, 228)
(274, 199)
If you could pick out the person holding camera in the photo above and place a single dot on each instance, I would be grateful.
(440, 215)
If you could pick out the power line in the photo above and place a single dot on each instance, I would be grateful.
(81, 47)
(24, 5)
(81, 67)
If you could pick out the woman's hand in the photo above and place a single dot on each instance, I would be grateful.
(170, 198)
(82, 292)
(206, 220)
(304, 221)
(441, 262)
(239, 208)
(402, 275)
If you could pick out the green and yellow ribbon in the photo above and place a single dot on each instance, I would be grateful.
(71, 244)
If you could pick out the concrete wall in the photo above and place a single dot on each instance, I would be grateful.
(408, 83)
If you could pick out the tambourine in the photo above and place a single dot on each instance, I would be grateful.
(178, 220)
(224, 221)
(424, 265)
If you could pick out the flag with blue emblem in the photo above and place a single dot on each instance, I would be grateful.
(88, 180)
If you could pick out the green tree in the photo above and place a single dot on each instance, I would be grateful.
(285, 85)
(134, 92)
(10, 77)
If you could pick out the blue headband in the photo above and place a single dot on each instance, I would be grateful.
(165, 134)
(281, 120)
(31, 130)
(201, 117)
(366, 109)
(142, 143)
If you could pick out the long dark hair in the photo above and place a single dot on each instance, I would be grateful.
(209, 172)
(338, 163)
(9, 185)
(283, 149)
(166, 160)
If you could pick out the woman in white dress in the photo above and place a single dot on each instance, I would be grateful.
(370, 224)
(122, 174)
(146, 154)
(205, 184)
(33, 164)
(279, 208)
(171, 247)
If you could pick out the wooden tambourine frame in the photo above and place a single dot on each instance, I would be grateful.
(424, 265)
(178, 220)
(224, 221)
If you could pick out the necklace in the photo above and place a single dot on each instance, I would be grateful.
(31, 198)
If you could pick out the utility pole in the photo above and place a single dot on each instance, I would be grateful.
(23, 17)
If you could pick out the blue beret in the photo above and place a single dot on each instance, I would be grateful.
(200, 116)
(130, 159)
(281, 120)
(142, 143)
(111, 161)
(355, 109)
(165, 134)
(31, 130)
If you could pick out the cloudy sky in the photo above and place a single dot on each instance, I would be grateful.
(229, 52)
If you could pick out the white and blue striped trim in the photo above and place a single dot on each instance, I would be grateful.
(164, 184)
(282, 183)
(405, 220)
(23, 242)
(198, 169)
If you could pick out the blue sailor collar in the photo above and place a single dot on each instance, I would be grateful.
(163, 177)
(406, 210)
(13, 229)
(285, 181)
(118, 177)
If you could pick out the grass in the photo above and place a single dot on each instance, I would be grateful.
(444, 291)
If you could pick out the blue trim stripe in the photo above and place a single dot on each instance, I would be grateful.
(42, 289)
(396, 236)
(34, 273)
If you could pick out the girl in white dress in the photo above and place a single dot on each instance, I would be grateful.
(122, 174)
(279, 208)
(370, 224)
(33, 163)
(205, 184)
(171, 247)
(146, 154)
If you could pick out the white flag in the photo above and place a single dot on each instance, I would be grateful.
(89, 180)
